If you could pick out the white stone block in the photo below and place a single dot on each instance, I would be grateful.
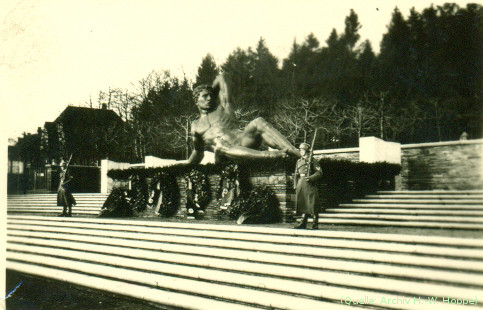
(372, 149)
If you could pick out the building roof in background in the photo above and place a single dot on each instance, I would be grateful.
(87, 115)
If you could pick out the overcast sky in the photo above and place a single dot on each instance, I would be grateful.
(55, 53)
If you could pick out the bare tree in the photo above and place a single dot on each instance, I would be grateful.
(381, 112)
(182, 132)
(333, 123)
(362, 118)
(296, 118)
(403, 120)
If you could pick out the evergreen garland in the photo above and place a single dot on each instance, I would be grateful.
(116, 205)
(256, 205)
(229, 178)
(165, 184)
(259, 206)
(197, 191)
(138, 193)
(330, 166)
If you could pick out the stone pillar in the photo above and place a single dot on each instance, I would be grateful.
(372, 150)
(106, 182)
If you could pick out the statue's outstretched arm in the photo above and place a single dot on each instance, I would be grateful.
(221, 88)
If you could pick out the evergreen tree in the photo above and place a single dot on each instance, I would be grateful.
(394, 57)
(367, 65)
(351, 35)
(207, 71)
(300, 70)
(238, 68)
(265, 78)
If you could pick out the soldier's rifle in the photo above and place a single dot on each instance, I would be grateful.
(311, 154)
(67, 167)
(68, 162)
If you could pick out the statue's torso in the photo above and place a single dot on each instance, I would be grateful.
(218, 127)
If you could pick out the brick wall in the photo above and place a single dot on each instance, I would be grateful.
(426, 166)
(455, 165)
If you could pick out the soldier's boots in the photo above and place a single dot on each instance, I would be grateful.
(303, 222)
(315, 224)
(64, 212)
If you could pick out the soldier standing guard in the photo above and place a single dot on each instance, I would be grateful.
(308, 172)
(64, 195)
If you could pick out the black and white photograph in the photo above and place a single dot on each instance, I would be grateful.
(241, 154)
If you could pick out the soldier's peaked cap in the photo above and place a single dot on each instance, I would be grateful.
(304, 146)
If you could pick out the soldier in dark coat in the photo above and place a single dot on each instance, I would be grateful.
(64, 195)
(307, 193)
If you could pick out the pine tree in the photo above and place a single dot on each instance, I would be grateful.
(207, 71)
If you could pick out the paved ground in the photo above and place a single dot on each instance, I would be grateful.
(36, 293)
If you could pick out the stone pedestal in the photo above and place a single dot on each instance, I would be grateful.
(281, 182)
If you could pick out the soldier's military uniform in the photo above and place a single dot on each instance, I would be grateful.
(307, 193)
(64, 195)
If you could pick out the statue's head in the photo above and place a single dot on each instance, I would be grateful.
(204, 96)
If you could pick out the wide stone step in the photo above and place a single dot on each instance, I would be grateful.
(339, 248)
(202, 229)
(51, 204)
(437, 192)
(402, 224)
(403, 211)
(209, 262)
(149, 277)
(426, 196)
(239, 239)
(250, 266)
(425, 218)
(57, 210)
(42, 196)
(413, 206)
(55, 198)
(150, 293)
(46, 207)
(88, 204)
(421, 201)
(287, 292)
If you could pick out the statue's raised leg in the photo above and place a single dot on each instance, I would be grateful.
(238, 152)
(259, 127)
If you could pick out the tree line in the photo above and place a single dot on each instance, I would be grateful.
(424, 85)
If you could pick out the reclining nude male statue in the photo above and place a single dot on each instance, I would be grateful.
(217, 129)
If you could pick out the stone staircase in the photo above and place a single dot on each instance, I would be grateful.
(411, 209)
(89, 204)
(205, 266)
